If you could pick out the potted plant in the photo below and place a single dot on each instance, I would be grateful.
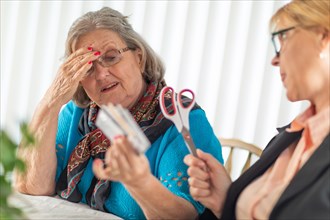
(9, 162)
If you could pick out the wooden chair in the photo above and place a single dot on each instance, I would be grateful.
(236, 144)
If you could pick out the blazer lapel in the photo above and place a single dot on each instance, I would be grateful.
(272, 151)
(316, 165)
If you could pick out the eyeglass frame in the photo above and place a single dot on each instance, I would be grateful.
(101, 59)
(274, 34)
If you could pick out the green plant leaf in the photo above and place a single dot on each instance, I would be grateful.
(6, 140)
(8, 162)
(7, 152)
(10, 213)
(20, 165)
(27, 137)
(5, 189)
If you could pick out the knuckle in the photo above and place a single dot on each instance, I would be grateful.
(189, 171)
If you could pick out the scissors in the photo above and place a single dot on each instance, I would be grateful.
(180, 115)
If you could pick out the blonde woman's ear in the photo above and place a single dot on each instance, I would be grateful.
(326, 35)
(325, 38)
(325, 44)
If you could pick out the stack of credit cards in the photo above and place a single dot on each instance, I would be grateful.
(114, 120)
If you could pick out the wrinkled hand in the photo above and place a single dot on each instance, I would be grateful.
(208, 181)
(70, 73)
(123, 164)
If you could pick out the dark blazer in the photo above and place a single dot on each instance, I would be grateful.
(308, 194)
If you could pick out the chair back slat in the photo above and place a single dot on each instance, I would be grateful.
(228, 164)
(235, 145)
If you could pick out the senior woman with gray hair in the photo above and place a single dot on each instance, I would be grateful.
(108, 62)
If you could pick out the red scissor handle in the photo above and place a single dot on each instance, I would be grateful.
(191, 104)
(162, 101)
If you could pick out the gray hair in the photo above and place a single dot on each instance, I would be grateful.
(106, 18)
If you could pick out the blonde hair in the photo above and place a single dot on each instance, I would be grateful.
(106, 18)
(306, 13)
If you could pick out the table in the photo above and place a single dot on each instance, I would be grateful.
(47, 207)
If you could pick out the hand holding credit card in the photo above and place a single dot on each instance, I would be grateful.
(115, 120)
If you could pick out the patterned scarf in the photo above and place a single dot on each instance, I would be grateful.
(147, 114)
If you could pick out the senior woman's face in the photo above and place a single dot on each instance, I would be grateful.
(121, 83)
(299, 62)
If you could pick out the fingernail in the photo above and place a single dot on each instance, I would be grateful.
(117, 137)
(90, 62)
(90, 48)
(97, 53)
(97, 162)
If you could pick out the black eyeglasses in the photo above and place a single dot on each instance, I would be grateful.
(111, 57)
(278, 37)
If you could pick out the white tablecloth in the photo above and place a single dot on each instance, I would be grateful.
(46, 207)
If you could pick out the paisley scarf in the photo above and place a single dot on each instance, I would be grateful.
(146, 113)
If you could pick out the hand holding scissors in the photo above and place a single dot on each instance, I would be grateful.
(180, 115)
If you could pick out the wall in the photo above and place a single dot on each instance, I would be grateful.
(219, 49)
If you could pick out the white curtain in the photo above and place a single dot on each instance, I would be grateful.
(219, 49)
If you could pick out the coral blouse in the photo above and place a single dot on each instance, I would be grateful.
(258, 199)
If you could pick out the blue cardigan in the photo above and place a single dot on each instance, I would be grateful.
(165, 158)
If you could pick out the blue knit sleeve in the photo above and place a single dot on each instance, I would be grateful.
(67, 134)
(172, 171)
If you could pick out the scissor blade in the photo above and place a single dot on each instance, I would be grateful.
(189, 141)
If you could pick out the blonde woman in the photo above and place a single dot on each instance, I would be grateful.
(291, 179)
